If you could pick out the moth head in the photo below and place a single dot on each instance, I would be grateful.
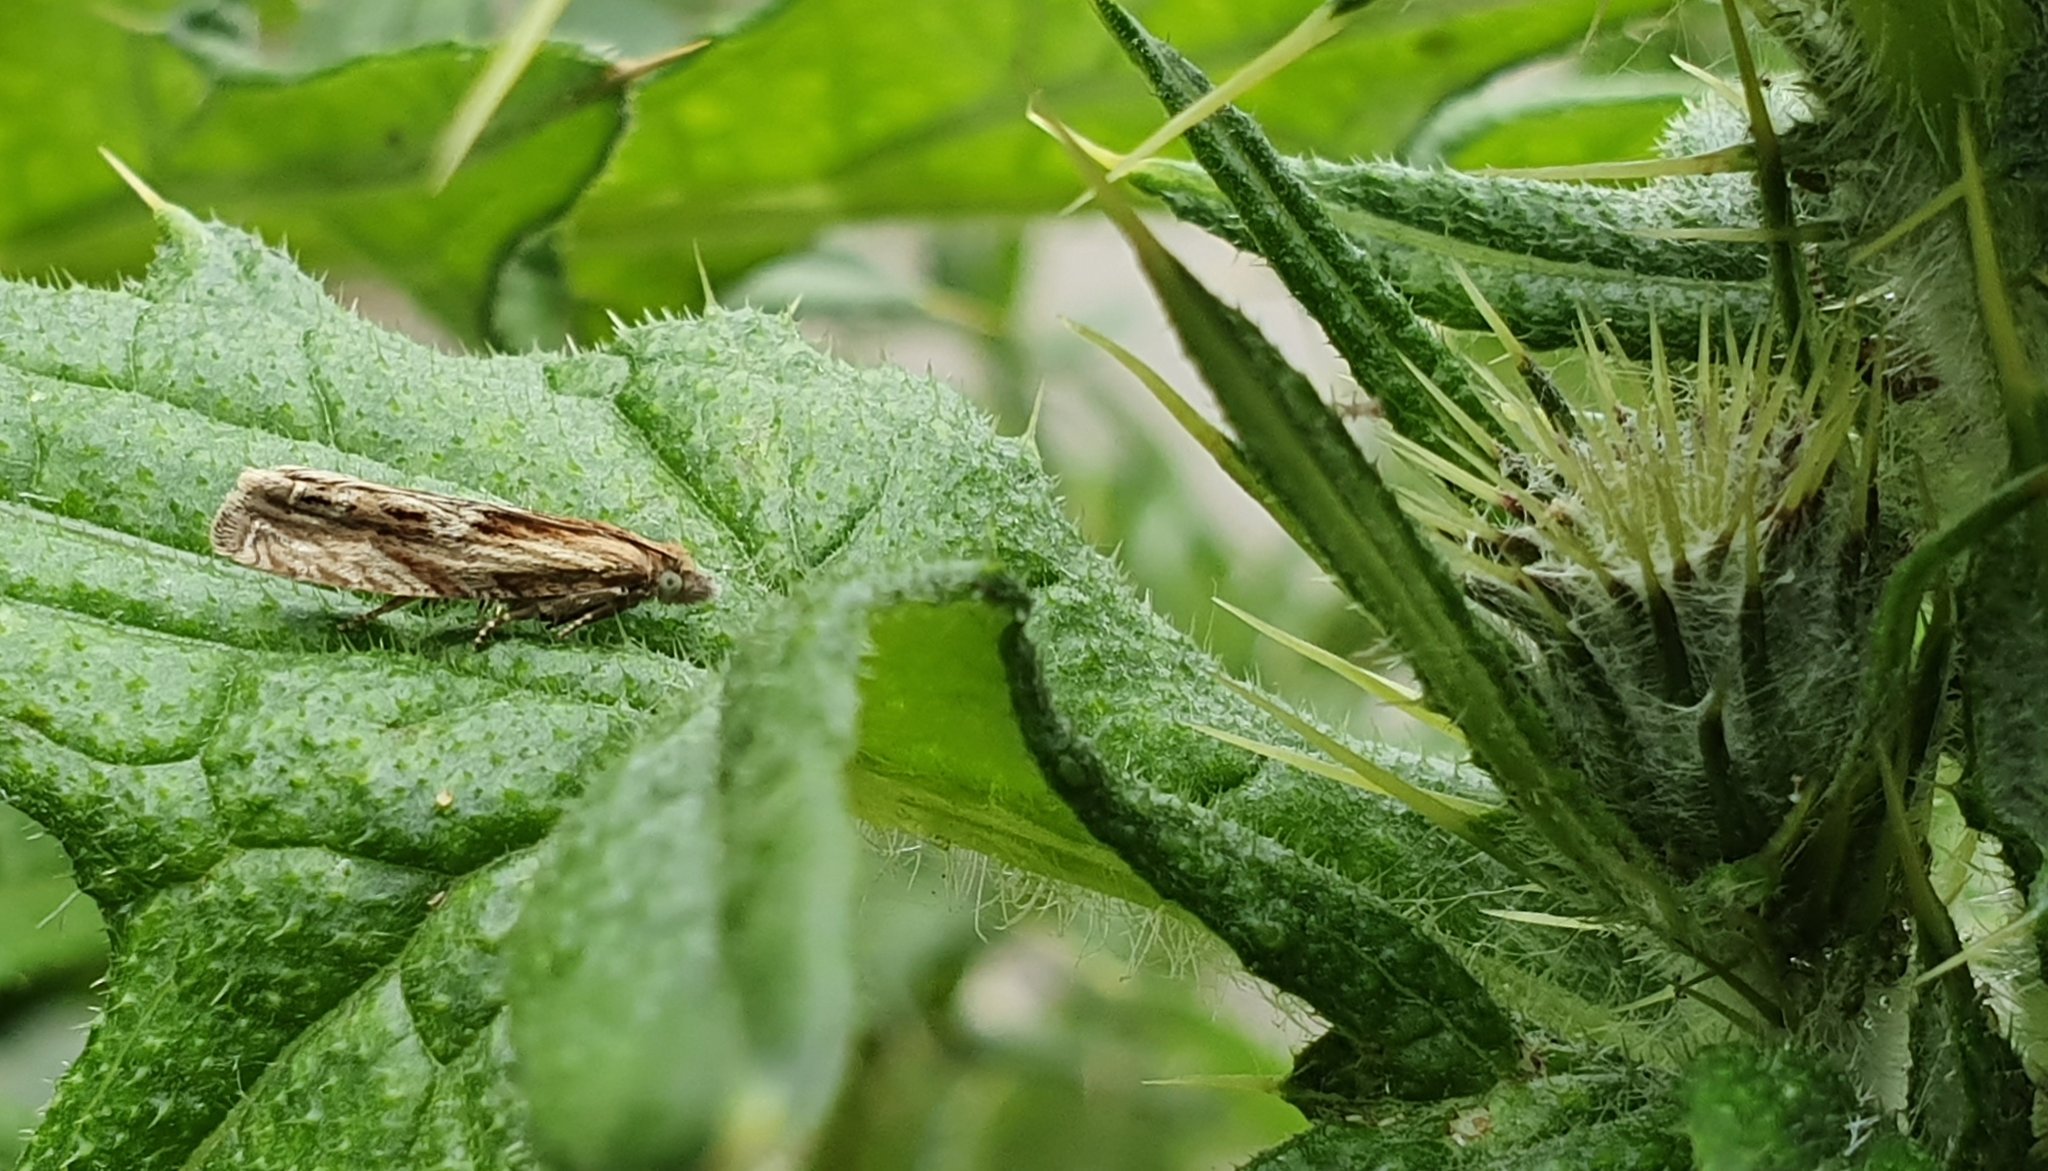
(684, 585)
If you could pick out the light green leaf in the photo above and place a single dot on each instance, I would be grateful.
(698, 912)
(310, 839)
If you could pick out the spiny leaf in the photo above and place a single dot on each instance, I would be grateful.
(1296, 446)
(309, 840)
(1541, 252)
(699, 908)
(1426, 1028)
(1366, 317)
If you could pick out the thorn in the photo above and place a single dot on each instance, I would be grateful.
(143, 191)
(508, 61)
(704, 277)
(627, 72)
(1718, 85)
(1727, 160)
(1103, 156)
(1030, 434)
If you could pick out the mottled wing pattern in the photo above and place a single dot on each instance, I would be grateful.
(338, 531)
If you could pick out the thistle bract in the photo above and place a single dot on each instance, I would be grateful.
(1691, 564)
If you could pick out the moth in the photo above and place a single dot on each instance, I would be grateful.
(336, 530)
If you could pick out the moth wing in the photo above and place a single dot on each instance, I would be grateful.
(336, 530)
(512, 553)
(342, 558)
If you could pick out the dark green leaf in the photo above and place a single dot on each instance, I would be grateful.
(1542, 253)
(1421, 1022)
(1632, 1143)
(1367, 319)
(2004, 620)
(1973, 1101)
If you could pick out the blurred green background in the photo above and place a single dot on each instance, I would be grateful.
(870, 161)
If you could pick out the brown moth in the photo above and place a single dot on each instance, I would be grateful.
(336, 530)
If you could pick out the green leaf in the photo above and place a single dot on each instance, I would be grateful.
(334, 161)
(1614, 1133)
(623, 1001)
(1637, 1142)
(1423, 1025)
(1298, 448)
(1582, 117)
(49, 937)
(1756, 1110)
(1541, 252)
(698, 911)
(1367, 319)
(310, 839)
(832, 110)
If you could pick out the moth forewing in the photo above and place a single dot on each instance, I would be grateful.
(336, 530)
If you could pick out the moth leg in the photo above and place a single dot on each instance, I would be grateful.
(603, 607)
(393, 604)
(496, 614)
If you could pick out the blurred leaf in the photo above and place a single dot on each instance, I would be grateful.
(1752, 1110)
(334, 162)
(743, 154)
(322, 35)
(832, 110)
(699, 907)
(1578, 120)
(1044, 1060)
(36, 1044)
(48, 935)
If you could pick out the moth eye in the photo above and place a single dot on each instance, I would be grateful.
(669, 584)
